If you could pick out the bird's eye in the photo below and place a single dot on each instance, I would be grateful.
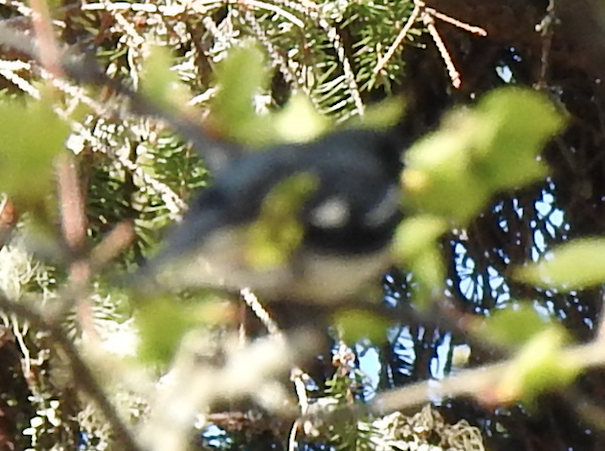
(333, 213)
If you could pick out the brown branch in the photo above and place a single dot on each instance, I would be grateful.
(83, 68)
(74, 226)
(112, 245)
(476, 382)
(49, 53)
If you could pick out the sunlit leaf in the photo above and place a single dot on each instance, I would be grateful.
(540, 366)
(353, 325)
(277, 232)
(160, 83)
(513, 326)
(439, 176)
(429, 270)
(161, 323)
(418, 233)
(571, 266)
(241, 77)
(299, 121)
(516, 124)
(416, 246)
(480, 151)
(32, 135)
(381, 115)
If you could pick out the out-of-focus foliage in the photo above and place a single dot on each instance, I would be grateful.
(233, 110)
(479, 152)
(277, 233)
(451, 174)
(540, 366)
(160, 83)
(32, 136)
(571, 266)
(482, 199)
(514, 326)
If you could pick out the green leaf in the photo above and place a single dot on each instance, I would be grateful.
(416, 234)
(513, 326)
(299, 121)
(539, 367)
(162, 321)
(241, 77)
(277, 232)
(416, 245)
(480, 151)
(353, 325)
(160, 83)
(439, 176)
(429, 273)
(515, 126)
(32, 135)
(380, 116)
(571, 266)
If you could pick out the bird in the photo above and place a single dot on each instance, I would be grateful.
(305, 222)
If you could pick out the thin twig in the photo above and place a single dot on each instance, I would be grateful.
(72, 205)
(113, 244)
(170, 10)
(347, 68)
(297, 375)
(74, 227)
(71, 197)
(250, 298)
(445, 54)
(474, 382)
(302, 6)
(17, 80)
(333, 35)
(470, 28)
(292, 443)
(428, 16)
(382, 62)
(546, 29)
